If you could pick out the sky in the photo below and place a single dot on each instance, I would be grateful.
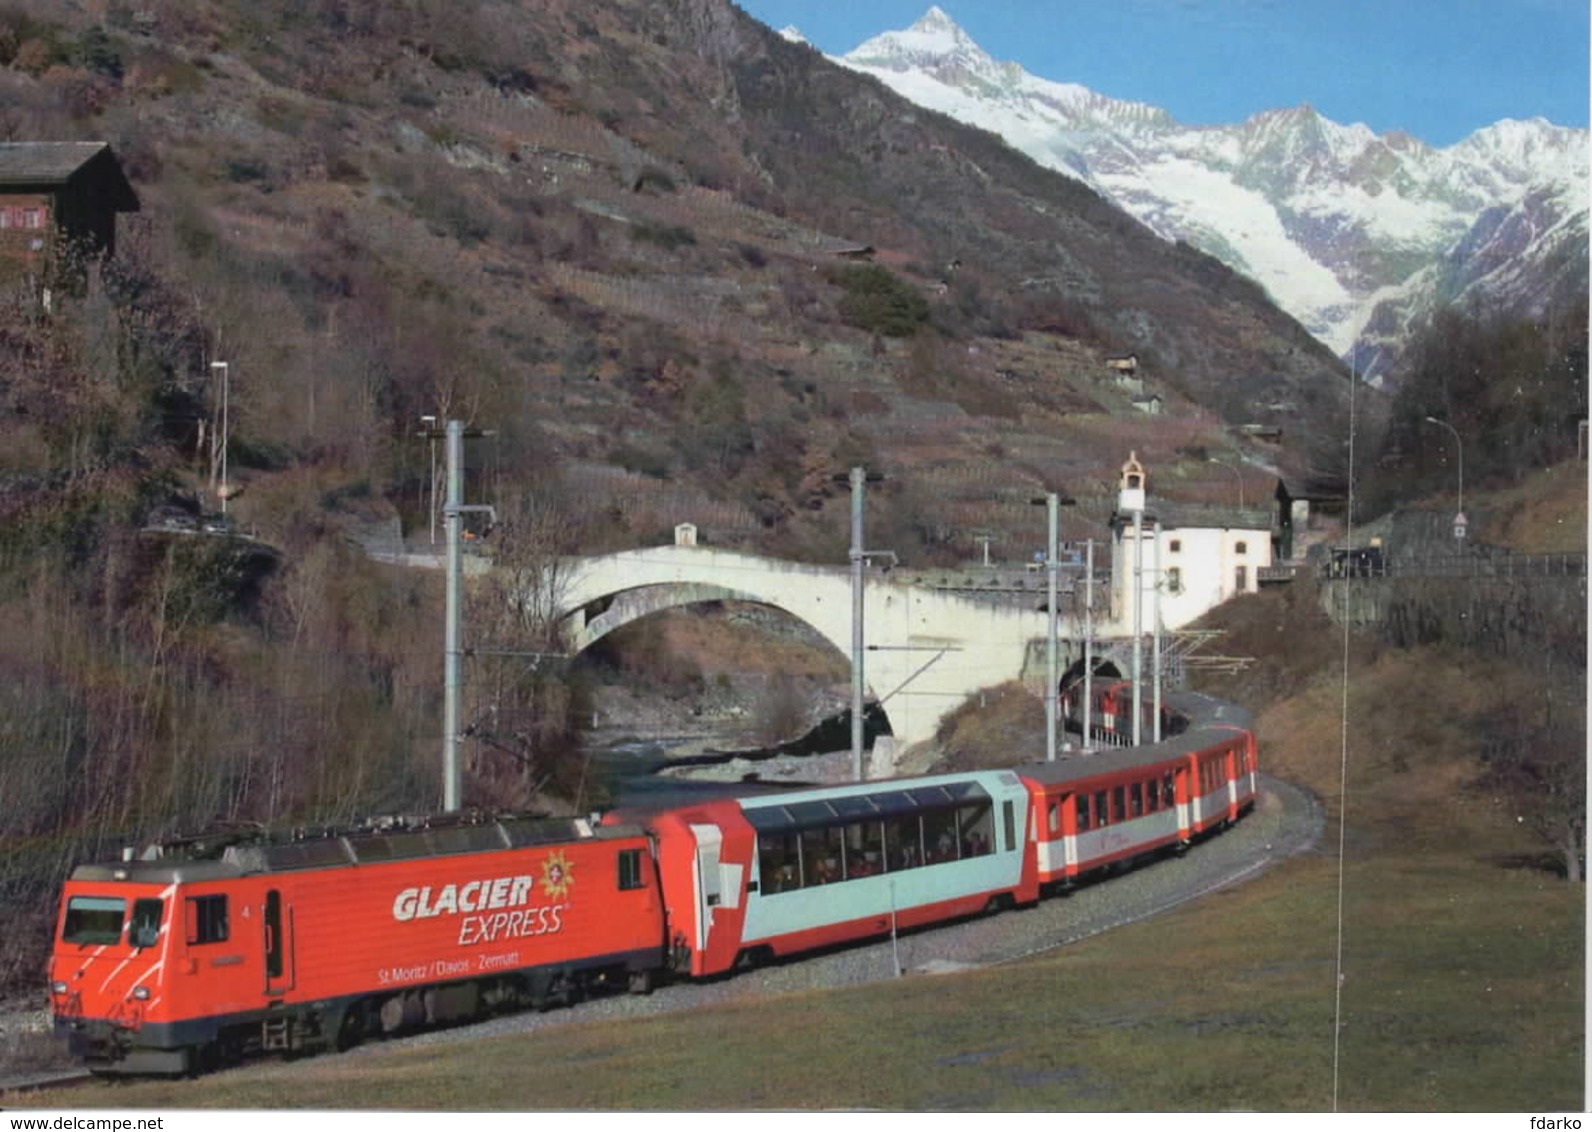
(1436, 69)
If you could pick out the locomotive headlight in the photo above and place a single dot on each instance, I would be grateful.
(58, 987)
(141, 993)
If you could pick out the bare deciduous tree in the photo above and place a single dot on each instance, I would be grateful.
(1535, 754)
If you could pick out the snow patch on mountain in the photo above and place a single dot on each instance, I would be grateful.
(1349, 231)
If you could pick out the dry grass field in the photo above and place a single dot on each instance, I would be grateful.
(1461, 989)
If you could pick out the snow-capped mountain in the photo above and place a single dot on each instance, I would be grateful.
(1353, 233)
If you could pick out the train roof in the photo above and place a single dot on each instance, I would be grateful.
(223, 856)
(1201, 721)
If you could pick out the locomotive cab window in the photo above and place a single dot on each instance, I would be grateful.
(630, 870)
(207, 919)
(144, 928)
(93, 919)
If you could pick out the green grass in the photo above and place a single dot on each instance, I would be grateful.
(1462, 991)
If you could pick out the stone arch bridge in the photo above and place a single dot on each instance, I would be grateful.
(927, 649)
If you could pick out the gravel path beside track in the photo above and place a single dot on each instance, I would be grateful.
(1286, 821)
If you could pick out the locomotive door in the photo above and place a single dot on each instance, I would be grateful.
(279, 966)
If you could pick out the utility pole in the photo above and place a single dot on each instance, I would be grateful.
(223, 488)
(1138, 622)
(1052, 502)
(1051, 566)
(1155, 656)
(453, 516)
(450, 666)
(858, 478)
(859, 558)
(1088, 645)
(1459, 452)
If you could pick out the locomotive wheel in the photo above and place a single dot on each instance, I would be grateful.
(351, 1031)
(640, 982)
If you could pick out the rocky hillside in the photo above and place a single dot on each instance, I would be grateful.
(619, 234)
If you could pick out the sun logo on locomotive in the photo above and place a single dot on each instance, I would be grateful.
(557, 875)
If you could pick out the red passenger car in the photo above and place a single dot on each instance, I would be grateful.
(1111, 807)
(205, 953)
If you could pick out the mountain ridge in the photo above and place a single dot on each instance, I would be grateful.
(1334, 221)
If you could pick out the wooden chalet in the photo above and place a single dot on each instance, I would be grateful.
(58, 205)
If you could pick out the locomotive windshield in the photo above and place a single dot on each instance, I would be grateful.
(93, 919)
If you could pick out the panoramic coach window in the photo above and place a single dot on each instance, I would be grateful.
(207, 919)
(630, 870)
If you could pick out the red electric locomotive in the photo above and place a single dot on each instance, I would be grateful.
(204, 953)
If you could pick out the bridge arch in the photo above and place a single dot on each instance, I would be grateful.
(586, 626)
(927, 649)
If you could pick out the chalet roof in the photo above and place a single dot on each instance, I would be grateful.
(46, 164)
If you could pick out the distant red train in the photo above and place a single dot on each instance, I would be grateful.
(206, 951)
